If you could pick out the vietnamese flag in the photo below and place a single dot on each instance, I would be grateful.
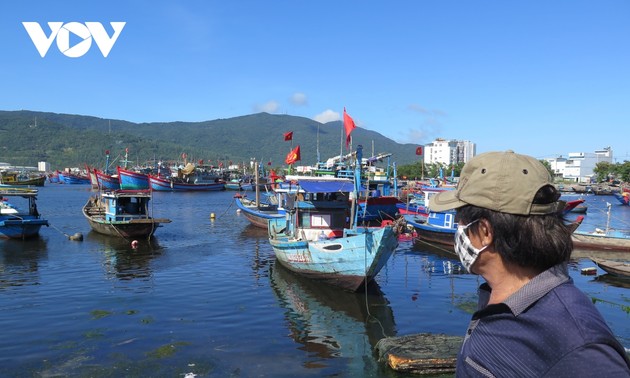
(288, 135)
(293, 156)
(348, 125)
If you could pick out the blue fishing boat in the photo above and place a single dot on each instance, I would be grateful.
(438, 228)
(19, 218)
(320, 238)
(73, 179)
(131, 180)
(106, 181)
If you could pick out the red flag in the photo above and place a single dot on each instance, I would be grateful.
(288, 135)
(293, 156)
(348, 125)
(419, 150)
(268, 163)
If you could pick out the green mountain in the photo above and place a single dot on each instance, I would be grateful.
(67, 140)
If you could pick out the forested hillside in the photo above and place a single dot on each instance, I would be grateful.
(64, 140)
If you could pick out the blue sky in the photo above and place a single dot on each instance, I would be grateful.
(543, 78)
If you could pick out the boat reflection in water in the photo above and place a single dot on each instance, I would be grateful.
(332, 323)
(19, 261)
(122, 261)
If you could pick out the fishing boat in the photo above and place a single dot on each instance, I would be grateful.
(438, 228)
(320, 238)
(22, 179)
(161, 184)
(106, 181)
(122, 213)
(616, 268)
(19, 218)
(132, 180)
(92, 176)
(73, 178)
(607, 239)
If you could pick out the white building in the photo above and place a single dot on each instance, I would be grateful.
(448, 152)
(43, 166)
(579, 166)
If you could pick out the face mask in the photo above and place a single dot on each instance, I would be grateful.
(464, 248)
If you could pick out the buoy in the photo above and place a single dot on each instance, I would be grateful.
(212, 216)
(238, 211)
(134, 244)
(78, 237)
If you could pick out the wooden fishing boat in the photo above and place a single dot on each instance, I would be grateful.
(22, 179)
(616, 268)
(177, 185)
(131, 180)
(122, 213)
(321, 239)
(19, 218)
(606, 239)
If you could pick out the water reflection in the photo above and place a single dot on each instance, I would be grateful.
(331, 323)
(262, 255)
(19, 261)
(613, 280)
(122, 261)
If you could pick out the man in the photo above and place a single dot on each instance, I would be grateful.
(531, 320)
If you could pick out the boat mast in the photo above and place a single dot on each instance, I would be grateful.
(608, 205)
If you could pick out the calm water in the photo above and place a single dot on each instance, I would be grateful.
(206, 298)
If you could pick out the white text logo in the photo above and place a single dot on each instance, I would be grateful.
(61, 32)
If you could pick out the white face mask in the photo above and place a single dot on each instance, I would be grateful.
(464, 248)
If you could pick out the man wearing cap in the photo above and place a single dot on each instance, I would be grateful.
(531, 320)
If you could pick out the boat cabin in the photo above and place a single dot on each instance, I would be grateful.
(121, 206)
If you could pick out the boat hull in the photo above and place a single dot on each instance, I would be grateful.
(616, 268)
(21, 228)
(106, 181)
(124, 229)
(164, 185)
(348, 262)
(130, 180)
(258, 217)
(601, 242)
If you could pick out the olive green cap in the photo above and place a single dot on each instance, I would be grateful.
(506, 182)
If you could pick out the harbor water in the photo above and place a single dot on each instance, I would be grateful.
(205, 298)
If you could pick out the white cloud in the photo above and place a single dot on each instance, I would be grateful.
(268, 107)
(327, 116)
(298, 99)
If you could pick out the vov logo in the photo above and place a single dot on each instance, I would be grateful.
(85, 32)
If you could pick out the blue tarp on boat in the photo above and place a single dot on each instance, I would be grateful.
(313, 186)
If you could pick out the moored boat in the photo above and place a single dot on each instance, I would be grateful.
(131, 180)
(22, 179)
(176, 185)
(106, 181)
(321, 239)
(606, 239)
(122, 213)
(616, 268)
(19, 217)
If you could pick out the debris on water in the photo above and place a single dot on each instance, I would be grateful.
(422, 353)
(77, 237)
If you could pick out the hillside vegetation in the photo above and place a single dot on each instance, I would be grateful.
(67, 140)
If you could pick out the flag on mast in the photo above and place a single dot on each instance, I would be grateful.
(293, 155)
(288, 135)
(348, 125)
